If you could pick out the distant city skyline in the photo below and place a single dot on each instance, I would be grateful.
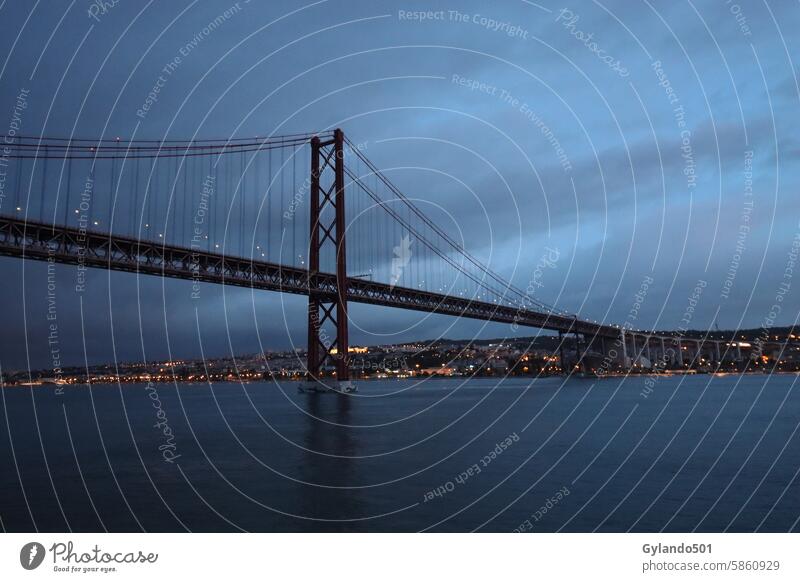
(660, 155)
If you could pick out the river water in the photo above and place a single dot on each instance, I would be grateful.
(700, 453)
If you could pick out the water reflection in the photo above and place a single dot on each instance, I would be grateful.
(328, 432)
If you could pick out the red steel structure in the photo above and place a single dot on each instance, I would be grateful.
(327, 228)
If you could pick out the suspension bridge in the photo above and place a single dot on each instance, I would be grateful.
(306, 214)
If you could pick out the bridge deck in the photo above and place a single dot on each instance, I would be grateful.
(40, 241)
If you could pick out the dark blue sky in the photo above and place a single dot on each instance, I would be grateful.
(621, 134)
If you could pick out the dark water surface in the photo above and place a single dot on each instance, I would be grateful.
(705, 453)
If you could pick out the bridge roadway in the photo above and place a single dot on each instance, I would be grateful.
(40, 241)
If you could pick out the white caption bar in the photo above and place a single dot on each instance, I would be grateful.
(402, 557)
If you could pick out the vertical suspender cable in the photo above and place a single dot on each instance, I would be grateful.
(173, 176)
(112, 190)
(280, 216)
(212, 171)
(69, 183)
(17, 180)
(257, 241)
(44, 184)
(185, 164)
(132, 201)
(269, 205)
(293, 204)
(242, 226)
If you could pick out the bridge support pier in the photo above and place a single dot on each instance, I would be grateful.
(327, 306)
(579, 352)
(624, 348)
